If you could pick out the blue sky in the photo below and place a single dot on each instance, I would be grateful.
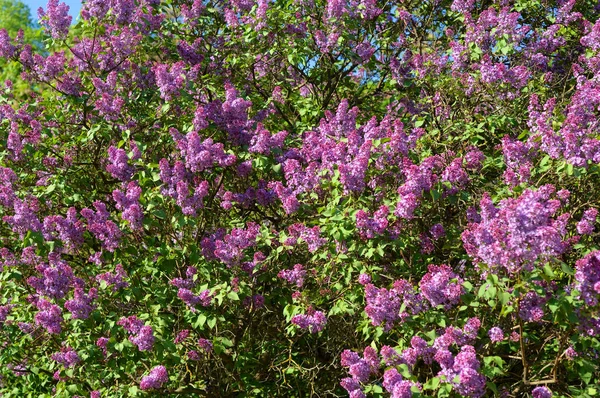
(74, 7)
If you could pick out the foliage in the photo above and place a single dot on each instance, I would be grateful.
(14, 16)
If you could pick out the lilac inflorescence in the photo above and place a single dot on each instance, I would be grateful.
(157, 377)
(519, 232)
(56, 18)
(139, 334)
(314, 322)
(295, 275)
(441, 286)
(67, 357)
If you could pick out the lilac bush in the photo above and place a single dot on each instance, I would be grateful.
(301, 198)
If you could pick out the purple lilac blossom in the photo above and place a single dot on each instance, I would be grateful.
(314, 322)
(157, 377)
(496, 334)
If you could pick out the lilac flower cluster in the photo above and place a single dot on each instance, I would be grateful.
(587, 275)
(176, 184)
(57, 277)
(81, 305)
(383, 305)
(109, 104)
(395, 385)
(518, 233)
(56, 18)
(170, 79)
(295, 275)
(531, 307)
(264, 142)
(518, 158)
(496, 334)
(201, 155)
(25, 218)
(49, 316)
(586, 225)
(338, 145)
(205, 344)
(437, 231)
(541, 392)
(312, 236)
(102, 343)
(314, 321)
(232, 116)
(230, 249)
(139, 334)
(361, 368)
(117, 280)
(69, 230)
(118, 165)
(418, 179)
(575, 141)
(157, 377)
(66, 357)
(105, 230)
(129, 203)
(466, 365)
(369, 227)
(187, 296)
(185, 293)
(5, 311)
(441, 286)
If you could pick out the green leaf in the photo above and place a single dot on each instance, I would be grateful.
(233, 296)
(211, 322)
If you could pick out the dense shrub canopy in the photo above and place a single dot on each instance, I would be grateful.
(302, 198)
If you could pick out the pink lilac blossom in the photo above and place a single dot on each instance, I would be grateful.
(531, 307)
(205, 344)
(56, 280)
(24, 218)
(230, 249)
(69, 230)
(570, 353)
(364, 279)
(201, 155)
(181, 336)
(5, 310)
(105, 230)
(192, 300)
(353, 387)
(383, 305)
(437, 231)
(360, 368)
(312, 236)
(102, 343)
